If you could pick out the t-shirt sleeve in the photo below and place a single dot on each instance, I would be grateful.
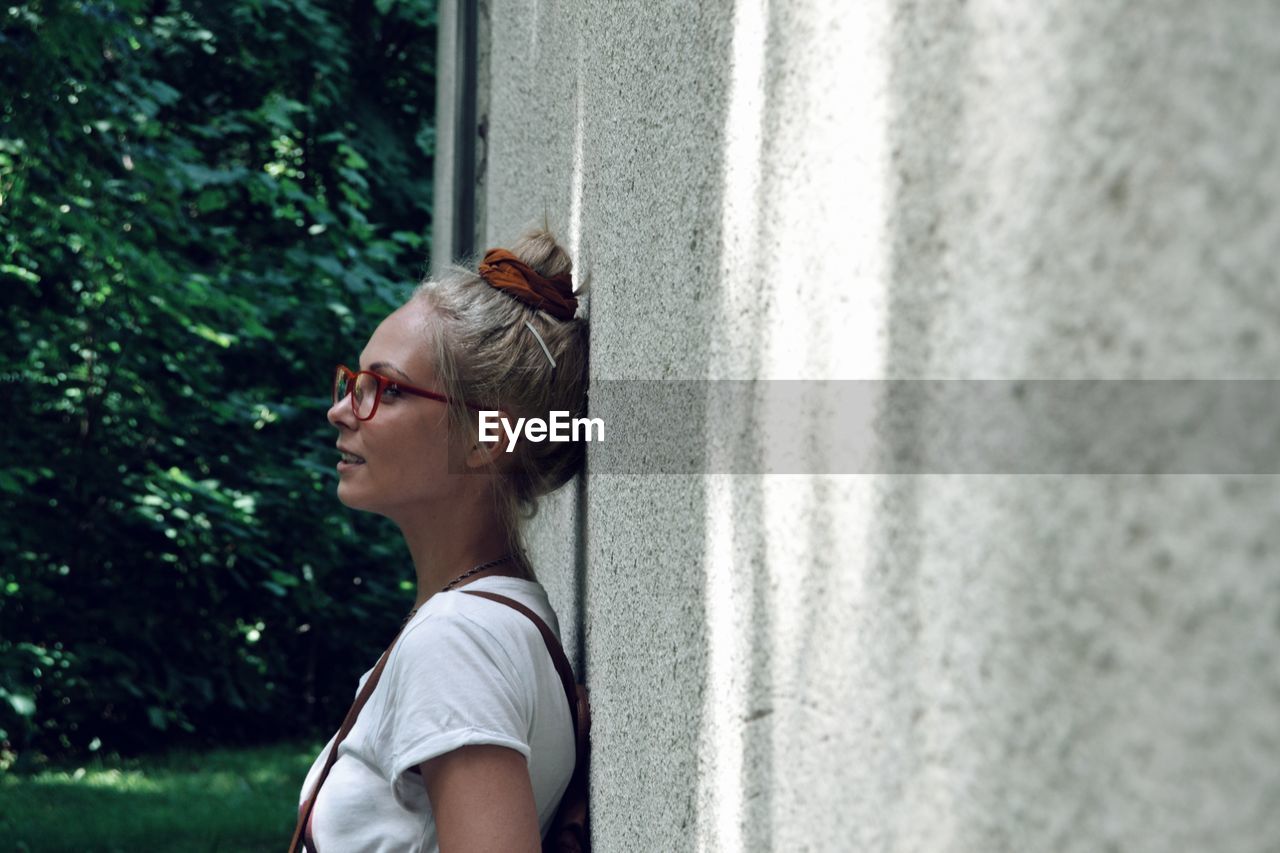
(451, 684)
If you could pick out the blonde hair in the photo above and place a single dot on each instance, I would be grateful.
(486, 355)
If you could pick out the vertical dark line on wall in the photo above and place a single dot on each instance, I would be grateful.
(464, 130)
(580, 573)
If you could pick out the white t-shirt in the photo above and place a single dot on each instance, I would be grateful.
(465, 670)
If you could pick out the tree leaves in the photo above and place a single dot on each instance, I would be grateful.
(201, 211)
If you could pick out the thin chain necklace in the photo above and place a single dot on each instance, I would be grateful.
(468, 573)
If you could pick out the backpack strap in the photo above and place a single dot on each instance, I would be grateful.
(570, 830)
(302, 829)
(553, 646)
(579, 715)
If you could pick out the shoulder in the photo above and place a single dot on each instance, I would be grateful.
(472, 610)
(457, 628)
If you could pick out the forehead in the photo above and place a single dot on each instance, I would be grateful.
(403, 340)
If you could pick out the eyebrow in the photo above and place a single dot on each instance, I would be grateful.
(384, 365)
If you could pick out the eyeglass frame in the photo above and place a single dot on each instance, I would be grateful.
(384, 382)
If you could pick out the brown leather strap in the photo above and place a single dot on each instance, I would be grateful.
(553, 646)
(304, 813)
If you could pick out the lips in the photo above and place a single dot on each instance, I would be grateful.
(350, 458)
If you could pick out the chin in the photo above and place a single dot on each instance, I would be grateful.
(350, 498)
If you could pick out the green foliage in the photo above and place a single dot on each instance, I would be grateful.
(203, 206)
(230, 800)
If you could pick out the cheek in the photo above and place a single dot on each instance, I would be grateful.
(418, 456)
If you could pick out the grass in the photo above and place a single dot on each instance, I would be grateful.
(241, 800)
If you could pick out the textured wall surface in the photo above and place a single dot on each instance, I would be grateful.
(979, 190)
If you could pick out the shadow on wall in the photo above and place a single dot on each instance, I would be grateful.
(929, 61)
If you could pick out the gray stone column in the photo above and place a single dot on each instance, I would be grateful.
(1072, 659)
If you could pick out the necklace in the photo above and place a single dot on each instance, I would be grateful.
(468, 573)
(480, 568)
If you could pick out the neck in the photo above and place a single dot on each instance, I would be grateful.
(447, 540)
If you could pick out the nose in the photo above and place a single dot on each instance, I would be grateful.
(341, 415)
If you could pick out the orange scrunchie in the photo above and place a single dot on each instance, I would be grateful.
(509, 274)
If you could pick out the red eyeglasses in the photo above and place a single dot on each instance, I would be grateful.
(366, 389)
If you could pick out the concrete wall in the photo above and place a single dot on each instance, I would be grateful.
(978, 190)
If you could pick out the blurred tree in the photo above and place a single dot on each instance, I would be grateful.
(203, 207)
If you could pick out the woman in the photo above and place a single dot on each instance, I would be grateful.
(465, 743)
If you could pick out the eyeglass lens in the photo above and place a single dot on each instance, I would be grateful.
(363, 395)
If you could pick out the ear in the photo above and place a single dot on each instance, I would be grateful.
(494, 439)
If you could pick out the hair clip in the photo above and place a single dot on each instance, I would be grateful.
(542, 344)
